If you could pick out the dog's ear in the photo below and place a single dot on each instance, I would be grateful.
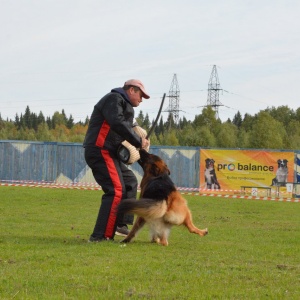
(159, 168)
(155, 170)
(165, 170)
(285, 160)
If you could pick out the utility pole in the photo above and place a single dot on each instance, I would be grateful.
(174, 95)
(213, 92)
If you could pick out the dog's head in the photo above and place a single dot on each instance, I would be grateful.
(209, 163)
(152, 164)
(282, 163)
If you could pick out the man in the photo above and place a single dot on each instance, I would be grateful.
(110, 124)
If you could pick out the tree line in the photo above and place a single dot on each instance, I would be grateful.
(272, 128)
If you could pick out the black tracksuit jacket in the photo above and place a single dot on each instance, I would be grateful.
(111, 123)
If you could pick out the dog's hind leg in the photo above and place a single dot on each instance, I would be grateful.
(160, 232)
(138, 224)
(191, 227)
(163, 240)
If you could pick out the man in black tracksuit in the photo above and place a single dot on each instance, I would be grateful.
(110, 124)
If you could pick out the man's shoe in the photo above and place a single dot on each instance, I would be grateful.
(98, 239)
(122, 231)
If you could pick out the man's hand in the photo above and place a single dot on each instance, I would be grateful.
(145, 143)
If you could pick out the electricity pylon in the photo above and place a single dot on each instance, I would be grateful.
(213, 92)
(174, 95)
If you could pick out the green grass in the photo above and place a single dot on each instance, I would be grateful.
(251, 252)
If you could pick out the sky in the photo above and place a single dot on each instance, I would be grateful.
(67, 54)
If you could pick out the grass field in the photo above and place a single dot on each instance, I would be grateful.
(251, 252)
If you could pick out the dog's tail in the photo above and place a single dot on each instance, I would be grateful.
(146, 208)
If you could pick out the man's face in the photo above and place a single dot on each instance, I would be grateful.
(135, 97)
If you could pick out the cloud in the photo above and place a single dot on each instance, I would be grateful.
(56, 51)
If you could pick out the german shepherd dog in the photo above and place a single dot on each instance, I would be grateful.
(160, 205)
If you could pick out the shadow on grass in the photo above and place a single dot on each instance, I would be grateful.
(53, 240)
(56, 240)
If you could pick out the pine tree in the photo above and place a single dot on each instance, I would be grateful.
(17, 121)
(87, 121)
(146, 123)
(41, 118)
(27, 118)
(64, 117)
(140, 118)
(70, 122)
(161, 127)
(34, 121)
(49, 122)
(237, 120)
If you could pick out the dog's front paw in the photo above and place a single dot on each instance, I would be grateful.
(125, 241)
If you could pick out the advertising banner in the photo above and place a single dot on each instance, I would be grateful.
(231, 169)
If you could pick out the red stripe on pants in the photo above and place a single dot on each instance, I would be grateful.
(110, 227)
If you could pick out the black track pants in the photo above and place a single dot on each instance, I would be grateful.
(117, 182)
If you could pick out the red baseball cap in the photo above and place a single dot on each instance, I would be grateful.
(139, 84)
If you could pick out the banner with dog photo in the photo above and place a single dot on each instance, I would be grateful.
(232, 169)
